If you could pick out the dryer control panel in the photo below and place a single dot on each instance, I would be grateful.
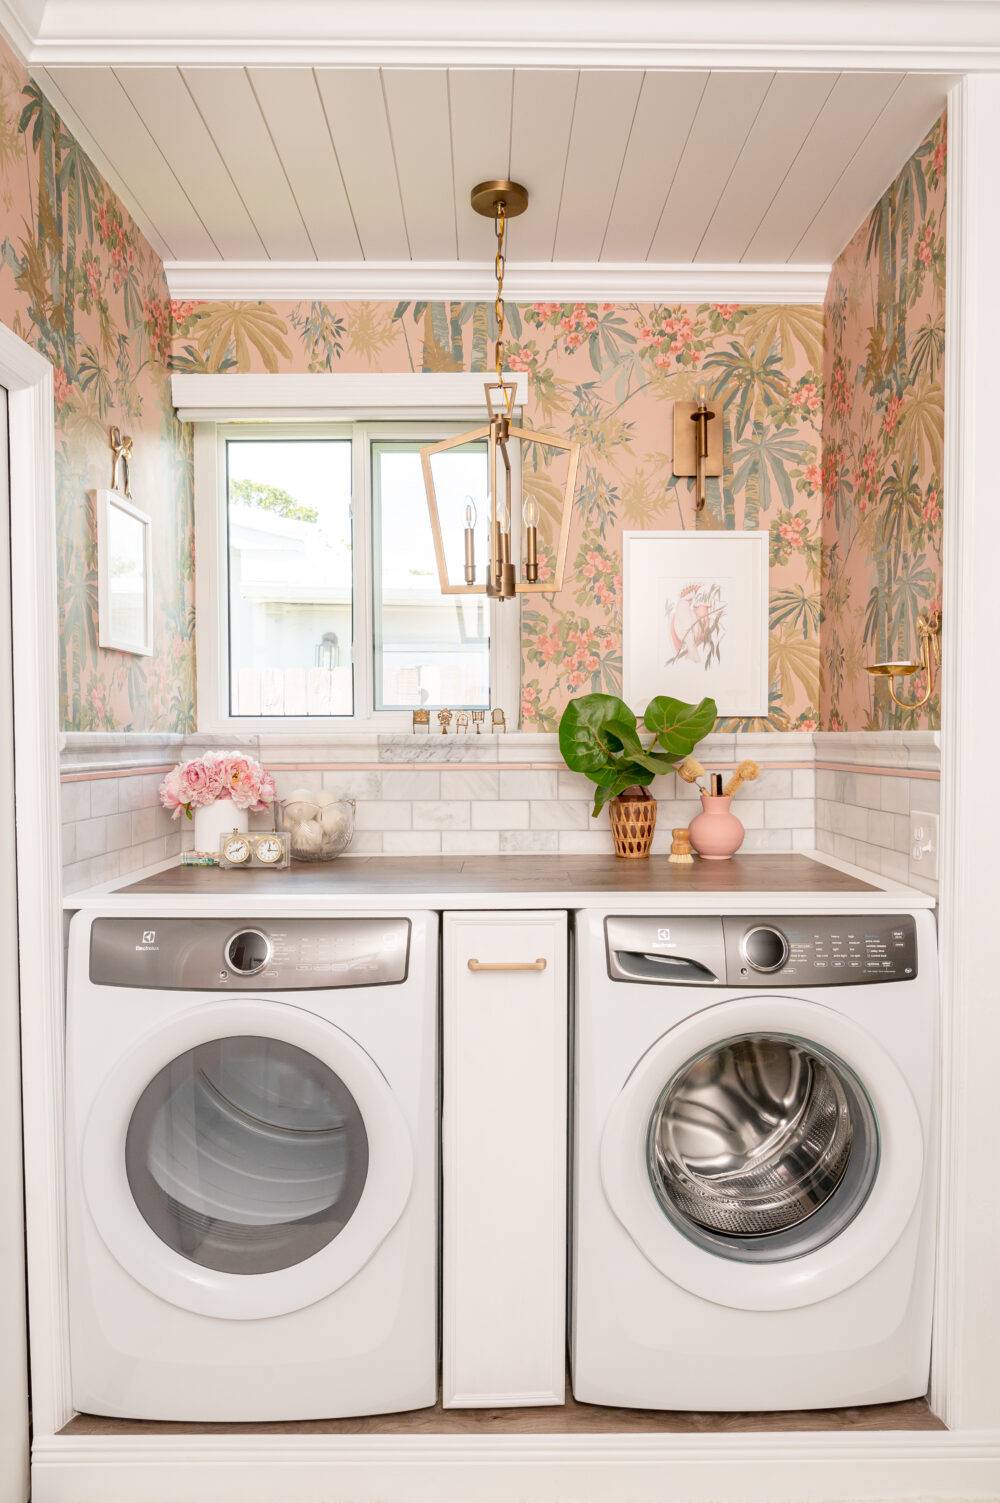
(226, 955)
(787, 950)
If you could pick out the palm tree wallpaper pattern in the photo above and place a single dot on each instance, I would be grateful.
(835, 437)
(604, 374)
(883, 436)
(848, 487)
(80, 283)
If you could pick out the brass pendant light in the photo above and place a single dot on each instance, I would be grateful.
(500, 200)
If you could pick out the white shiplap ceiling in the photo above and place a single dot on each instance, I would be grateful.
(349, 165)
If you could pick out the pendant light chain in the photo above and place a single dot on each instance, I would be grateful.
(499, 199)
(500, 229)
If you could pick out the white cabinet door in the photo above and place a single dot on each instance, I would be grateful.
(504, 1159)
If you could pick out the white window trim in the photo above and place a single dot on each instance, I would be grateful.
(211, 583)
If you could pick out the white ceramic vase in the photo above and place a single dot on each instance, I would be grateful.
(213, 823)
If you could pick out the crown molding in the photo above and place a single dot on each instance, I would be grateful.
(473, 281)
(20, 22)
(883, 34)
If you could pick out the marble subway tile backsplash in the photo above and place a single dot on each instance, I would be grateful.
(113, 825)
(864, 818)
(469, 811)
(510, 795)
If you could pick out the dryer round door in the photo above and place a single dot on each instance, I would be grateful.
(246, 1159)
(765, 1153)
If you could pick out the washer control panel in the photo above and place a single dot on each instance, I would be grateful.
(787, 950)
(225, 955)
(820, 951)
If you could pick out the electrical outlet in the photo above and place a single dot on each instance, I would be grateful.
(924, 844)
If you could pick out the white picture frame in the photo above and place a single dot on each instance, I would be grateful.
(695, 618)
(124, 575)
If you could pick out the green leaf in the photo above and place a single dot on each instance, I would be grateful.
(617, 784)
(583, 733)
(678, 726)
(653, 763)
(627, 735)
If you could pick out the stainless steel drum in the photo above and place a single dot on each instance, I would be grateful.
(754, 1136)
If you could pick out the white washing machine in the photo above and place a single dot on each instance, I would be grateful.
(753, 1160)
(252, 1166)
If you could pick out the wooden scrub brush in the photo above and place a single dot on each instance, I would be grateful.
(680, 850)
(745, 773)
(691, 770)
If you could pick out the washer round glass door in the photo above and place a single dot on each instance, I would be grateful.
(762, 1147)
(245, 1158)
(246, 1155)
(764, 1153)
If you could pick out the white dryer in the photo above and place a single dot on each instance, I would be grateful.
(252, 1166)
(753, 1163)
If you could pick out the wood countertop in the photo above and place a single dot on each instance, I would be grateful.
(757, 884)
(555, 876)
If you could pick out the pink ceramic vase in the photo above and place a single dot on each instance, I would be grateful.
(716, 833)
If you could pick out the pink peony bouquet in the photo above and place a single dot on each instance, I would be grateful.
(200, 782)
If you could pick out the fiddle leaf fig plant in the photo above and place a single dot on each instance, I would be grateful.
(599, 736)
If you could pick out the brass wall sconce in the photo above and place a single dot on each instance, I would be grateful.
(501, 200)
(698, 434)
(929, 635)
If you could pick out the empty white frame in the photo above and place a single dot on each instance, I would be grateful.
(124, 575)
(695, 618)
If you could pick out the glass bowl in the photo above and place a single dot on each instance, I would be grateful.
(320, 824)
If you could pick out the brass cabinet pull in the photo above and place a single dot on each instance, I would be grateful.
(508, 965)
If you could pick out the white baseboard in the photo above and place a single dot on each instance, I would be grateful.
(788, 1467)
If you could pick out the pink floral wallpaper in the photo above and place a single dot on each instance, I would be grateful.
(847, 484)
(80, 283)
(883, 437)
(605, 374)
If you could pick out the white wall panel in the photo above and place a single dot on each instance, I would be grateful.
(602, 122)
(544, 106)
(290, 102)
(111, 176)
(109, 115)
(355, 108)
(900, 128)
(667, 106)
(227, 105)
(480, 101)
(674, 168)
(785, 118)
(851, 109)
(725, 116)
(163, 102)
(417, 101)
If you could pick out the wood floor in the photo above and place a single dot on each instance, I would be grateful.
(570, 1418)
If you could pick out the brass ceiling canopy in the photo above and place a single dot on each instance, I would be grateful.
(500, 200)
(487, 197)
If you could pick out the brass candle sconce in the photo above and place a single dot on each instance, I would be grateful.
(929, 635)
(698, 433)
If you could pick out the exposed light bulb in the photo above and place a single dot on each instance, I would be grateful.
(470, 512)
(529, 512)
(503, 516)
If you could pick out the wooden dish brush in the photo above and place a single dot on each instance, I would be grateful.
(746, 772)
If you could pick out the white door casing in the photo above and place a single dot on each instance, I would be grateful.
(14, 1350)
(209, 1291)
(794, 1282)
